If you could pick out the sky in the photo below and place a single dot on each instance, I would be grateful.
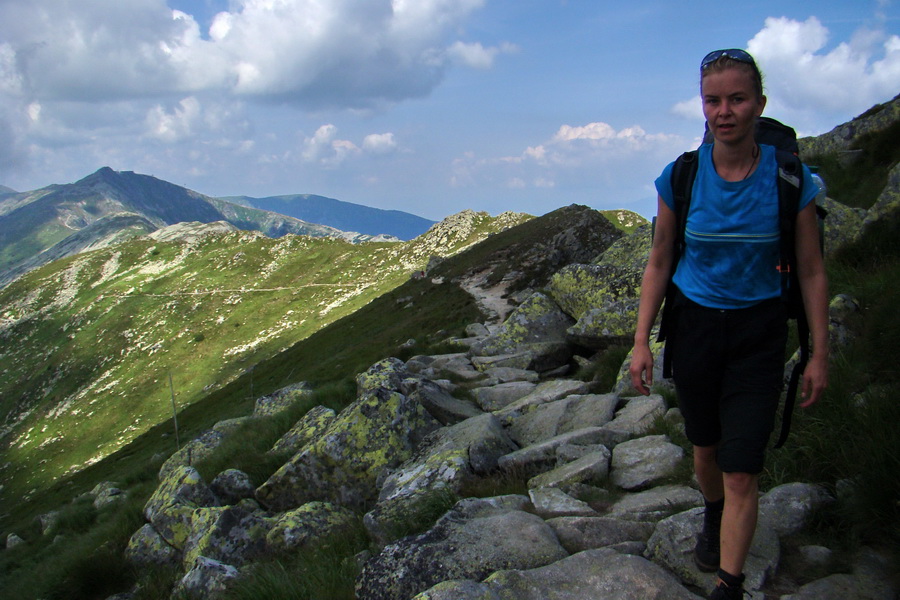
(425, 106)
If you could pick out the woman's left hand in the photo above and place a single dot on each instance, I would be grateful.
(815, 380)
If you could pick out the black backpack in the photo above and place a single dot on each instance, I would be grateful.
(790, 183)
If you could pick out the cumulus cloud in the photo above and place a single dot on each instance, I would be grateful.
(806, 81)
(316, 53)
(595, 151)
(380, 143)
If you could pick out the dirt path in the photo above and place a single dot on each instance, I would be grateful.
(489, 299)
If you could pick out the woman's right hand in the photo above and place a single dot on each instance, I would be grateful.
(641, 368)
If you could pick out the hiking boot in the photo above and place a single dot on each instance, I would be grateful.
(732, 590)
(706, 551)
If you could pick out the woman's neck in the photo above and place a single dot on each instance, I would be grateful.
(735, 162)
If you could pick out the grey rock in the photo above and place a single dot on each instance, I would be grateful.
(207, 579)
(584, 533)
(447, 409)
(672, 545)
(231, 486)
(458, 548)
(313, 424)
(308, 526)
(547, 391)
(505, 374)
(639, 463)
(541, 457)
(228, 534)
(196, 450)
(13, 540)
(496, 397)
(572, 412)
(552, 502)
(601, 573)
(592, 468)
(789, 508)
(171, 507)
(147, 547)
(282, 399)
(656, 503)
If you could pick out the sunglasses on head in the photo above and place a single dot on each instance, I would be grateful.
(732, 53)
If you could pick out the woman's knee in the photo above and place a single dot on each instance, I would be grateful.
(741, 484)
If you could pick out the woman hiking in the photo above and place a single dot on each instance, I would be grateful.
(728, 338)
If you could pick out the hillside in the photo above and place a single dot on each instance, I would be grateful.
(89, 342)
(345, 216)
(59, 220)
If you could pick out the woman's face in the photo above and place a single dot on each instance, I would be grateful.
(731, 104)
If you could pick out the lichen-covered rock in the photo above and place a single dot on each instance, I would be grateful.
(282, 399)
(576, 289)
(601, 573)
(458, 547)
(313, 424)
(228, 534)
(889, 200)
(171, 507)
(372, 436)
(537, 326)
(13, 540)
(612, 323)
(147, 547)
(308, 525)
(449, 458)
(842, 137)
(231, 486)
(388, 374)
(842, 225)
(207, 579)
(195, 450)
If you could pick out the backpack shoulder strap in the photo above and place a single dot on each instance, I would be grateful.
(684, 172)
(790, 185)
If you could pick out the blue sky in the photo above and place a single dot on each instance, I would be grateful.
(426, 106)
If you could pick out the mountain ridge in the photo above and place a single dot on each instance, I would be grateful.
(34, 226)
(346, 216)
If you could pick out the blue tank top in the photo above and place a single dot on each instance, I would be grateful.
(731, 239)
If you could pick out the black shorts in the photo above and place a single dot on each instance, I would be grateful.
(728, 367)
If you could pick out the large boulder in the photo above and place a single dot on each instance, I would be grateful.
(638, 464)
(464, 544)
(537, 326)
(230, 534)
(448, 459)
(309, 525)
(368, 439)
(602, 573)
(282, 399)
(572, 412)
(672, 545)
(207, 579)
(171, 507)
(197, 449)
(147, 547)
(313, 424)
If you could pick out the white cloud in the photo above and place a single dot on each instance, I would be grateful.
(477, 56)
(379, 143)
(316, 53)
(592, 152)
(175, 125)
(808, 83)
